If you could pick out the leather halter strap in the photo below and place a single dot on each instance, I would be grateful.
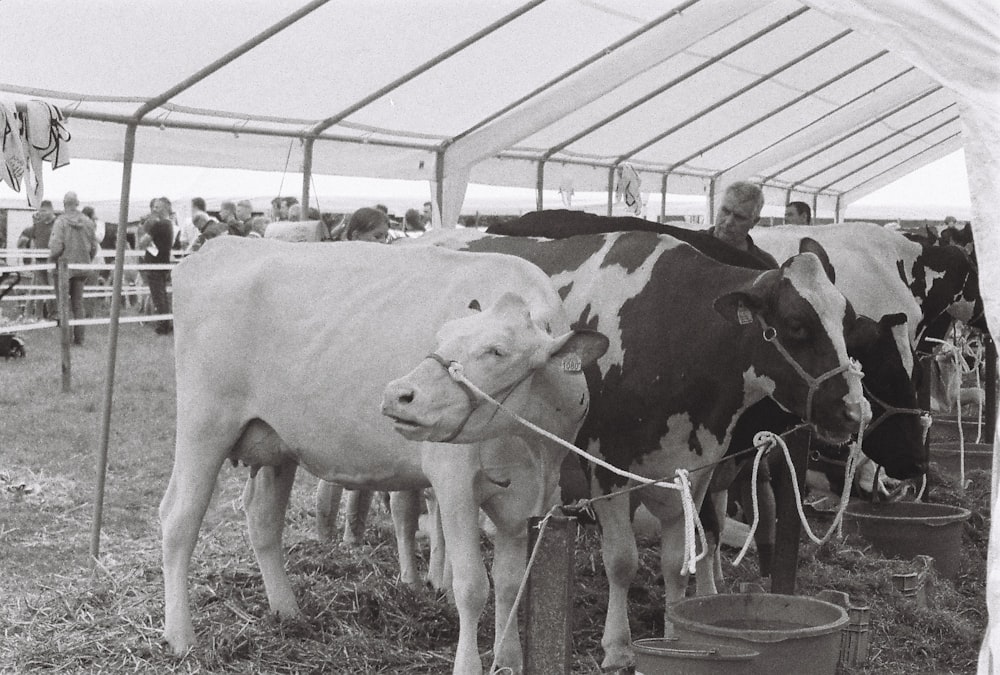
(887, 410)
(771, 335)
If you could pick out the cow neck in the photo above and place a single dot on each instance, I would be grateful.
(454, 370)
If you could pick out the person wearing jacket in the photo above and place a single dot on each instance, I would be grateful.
(73, 241)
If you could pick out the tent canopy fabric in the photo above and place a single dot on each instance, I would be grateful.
(686, 92)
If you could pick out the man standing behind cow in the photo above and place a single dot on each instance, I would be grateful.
(738, 213)
(798, 213)
(156, 241)
(73, 240)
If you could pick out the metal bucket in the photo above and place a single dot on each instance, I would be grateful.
(670, 656)
(908, 529)
(793, 634)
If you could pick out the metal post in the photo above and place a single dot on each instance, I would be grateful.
(65, 332)
(788, 529)
(548, 621)
(540, 186)
(109, 377)
(307, 163)
(990, 384)
(611, 189)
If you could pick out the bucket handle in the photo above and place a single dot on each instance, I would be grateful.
(685, 652)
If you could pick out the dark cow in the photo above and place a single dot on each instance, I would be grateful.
(694, 343)
(895, 440)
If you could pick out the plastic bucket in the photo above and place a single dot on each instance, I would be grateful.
(792, 633)
(908, 529)
(978, 456)
(670, 656)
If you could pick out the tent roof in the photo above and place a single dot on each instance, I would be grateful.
(686, 92)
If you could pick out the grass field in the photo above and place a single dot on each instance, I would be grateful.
(60, 613)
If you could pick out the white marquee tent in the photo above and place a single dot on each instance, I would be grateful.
(821, 100)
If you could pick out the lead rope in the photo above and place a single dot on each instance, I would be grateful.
(959, 348)
(764, 441)
(681, 483)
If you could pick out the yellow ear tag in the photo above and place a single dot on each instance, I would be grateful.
(571, 363)
(743, 315)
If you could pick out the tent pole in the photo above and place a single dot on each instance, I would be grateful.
(611, 187)
(307, 166)
(540, 185)
(663, 198)
(109, 377)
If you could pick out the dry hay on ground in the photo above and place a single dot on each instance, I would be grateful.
(358, 620)
(58, 616)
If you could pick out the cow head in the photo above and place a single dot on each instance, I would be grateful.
(795, 318)
(497, 352)
(896, 436)
(946, 283)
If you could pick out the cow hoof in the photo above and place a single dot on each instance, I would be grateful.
(616, 660)
(179, 645)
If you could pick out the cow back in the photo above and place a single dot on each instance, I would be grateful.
(306, 336)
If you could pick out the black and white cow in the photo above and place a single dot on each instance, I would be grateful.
(694, 343)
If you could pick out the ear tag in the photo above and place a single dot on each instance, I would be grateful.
(743, 315)
(572, 363)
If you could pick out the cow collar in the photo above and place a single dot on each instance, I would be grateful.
(454, 370)
(852, 367)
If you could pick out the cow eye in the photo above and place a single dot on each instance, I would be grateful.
(496, 351)
(797, 330)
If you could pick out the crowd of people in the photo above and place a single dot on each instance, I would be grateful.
(78, 236)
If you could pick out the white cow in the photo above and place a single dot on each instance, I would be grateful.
(283, 354)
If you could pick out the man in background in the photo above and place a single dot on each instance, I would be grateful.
(156, 242)
(74, 242)
(738, 213)
(798, 213)
(37, 235)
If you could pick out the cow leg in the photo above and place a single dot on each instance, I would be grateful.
(182, 509)
(405, 510)
(708, 572)
(621, 561)
(327, 506)
(460, 523)
(437, 571)
(265, 500)
(359, 502)
(767, 515)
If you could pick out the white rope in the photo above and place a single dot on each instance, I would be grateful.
(691, 521)
(764, 441)
(960, 347)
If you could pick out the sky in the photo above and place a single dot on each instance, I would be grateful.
(933, 191)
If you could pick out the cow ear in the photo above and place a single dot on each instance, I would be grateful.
(738, 307)
(474, 305)
(893, 320)
(861, 336)
(810, 245)
(579, 348)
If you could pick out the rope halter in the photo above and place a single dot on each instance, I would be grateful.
(475, 396)
(889, 410)
(852, 367)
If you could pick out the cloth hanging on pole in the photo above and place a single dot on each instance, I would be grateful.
(45, 139)
(13, 166)
(628, 188)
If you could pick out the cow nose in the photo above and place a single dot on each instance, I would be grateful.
(400, 393)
